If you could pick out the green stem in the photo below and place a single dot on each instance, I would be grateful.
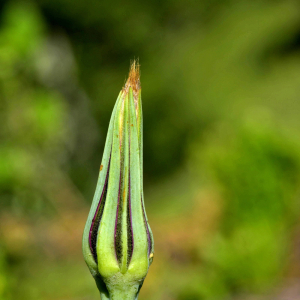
(129, 293)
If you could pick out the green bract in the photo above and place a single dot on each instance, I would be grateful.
(117, 239)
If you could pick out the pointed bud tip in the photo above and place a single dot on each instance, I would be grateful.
(133, 80)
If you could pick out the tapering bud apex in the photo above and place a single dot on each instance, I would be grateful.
(118, 244)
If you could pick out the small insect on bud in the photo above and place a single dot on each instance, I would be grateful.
(117, 242)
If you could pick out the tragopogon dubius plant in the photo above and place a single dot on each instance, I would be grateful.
(118, 243)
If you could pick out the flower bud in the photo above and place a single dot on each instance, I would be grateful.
(118, 244)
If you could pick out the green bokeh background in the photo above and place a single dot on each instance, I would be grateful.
(221, 100)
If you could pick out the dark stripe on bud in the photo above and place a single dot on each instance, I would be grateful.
(97, 218)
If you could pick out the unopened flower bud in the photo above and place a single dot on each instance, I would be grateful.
(118, 244)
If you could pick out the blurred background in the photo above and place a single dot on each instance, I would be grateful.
(221, 88)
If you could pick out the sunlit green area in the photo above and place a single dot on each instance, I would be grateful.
(221, 101)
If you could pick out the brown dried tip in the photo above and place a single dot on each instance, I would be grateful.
(133, 80)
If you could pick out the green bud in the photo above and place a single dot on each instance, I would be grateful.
(117, 242)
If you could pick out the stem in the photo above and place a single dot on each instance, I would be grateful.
(129, 293)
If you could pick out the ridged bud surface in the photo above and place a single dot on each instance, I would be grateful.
(118, 244)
